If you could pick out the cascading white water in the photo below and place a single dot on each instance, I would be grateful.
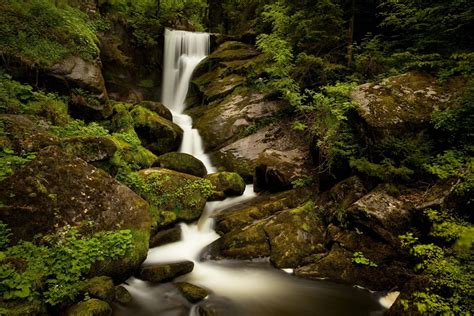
(183, 52)
(243, 288)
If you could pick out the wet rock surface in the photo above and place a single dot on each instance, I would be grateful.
(230, 183)
(165, 272)
(58, 189)
(172, 191)
(192, 292)
(164, 237)
(181, 162)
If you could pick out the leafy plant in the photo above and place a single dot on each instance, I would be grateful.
(53, 268)
(359, 258)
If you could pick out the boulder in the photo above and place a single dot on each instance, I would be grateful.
(287, 237)
(181, 162)
(90, 149)
(24, 308)
(91, 307)
(165, 237)
(276, 170)
(192, 292)
(165, 272)
(158, 108)
(242, 156)
(403, 101)
(263, 206)
(181, 193)
(57, 189)
(78, 72)
(381, 214)
(228, 120)
(228, 182)
(122, 295)
(24, 134)
(338, 266)
(101, 288)
(156, 133)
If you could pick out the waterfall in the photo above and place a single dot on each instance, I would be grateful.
(183, 52)
(244, 288)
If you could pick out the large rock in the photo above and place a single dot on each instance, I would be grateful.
(91, 307)
(156, 133)
(404, 101)
(57, 189)
(181, 193)
(192, 292)
(165, 272)
(381, 214)
(289, 152)
(263, 206)
(24, 134)
(287, 237)
(99, 287)
(232, 117)
(78, 72)
(90, 149)
(166, 236)
(276, 170)
(338, 265)
(230, 183)
(181, 162)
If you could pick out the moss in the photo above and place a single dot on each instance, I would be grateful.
(99, 287)
(191, 292)
(230, 183)
(167, 190)
(156, 133)
(122, 295)
(23, 308)
(91, 307)
(40, 32)
(182, 162)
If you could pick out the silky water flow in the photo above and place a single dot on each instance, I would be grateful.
(237, 287)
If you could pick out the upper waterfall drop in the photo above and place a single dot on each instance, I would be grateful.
(183, 52)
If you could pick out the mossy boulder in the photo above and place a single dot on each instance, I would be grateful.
(181, 162)
(77, 72)
(23, 134)
(128, 152)
(23, 308)
(192, 292)
(230, 183)
(156, 133)
(287, 238)
(122, 295)
(261, 207)
(181, 193)
(90, 149)
(338, 266)
(399, 102)
(164, 272)
(276, 170)
(57, 189)
(242, 156)
(101, 287)
(158, 108)
(166, 236)
(91, 307)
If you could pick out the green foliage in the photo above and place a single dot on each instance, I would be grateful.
(42, 32)
(303, 181)
(5, 234)
(359, 259)
(449, 269)
(54, 267)
(17, 98)
(10, 161)
(79, 128)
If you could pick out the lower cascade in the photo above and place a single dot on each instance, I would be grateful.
(235, 287)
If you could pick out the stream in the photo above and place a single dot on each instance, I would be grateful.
(237, 287)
